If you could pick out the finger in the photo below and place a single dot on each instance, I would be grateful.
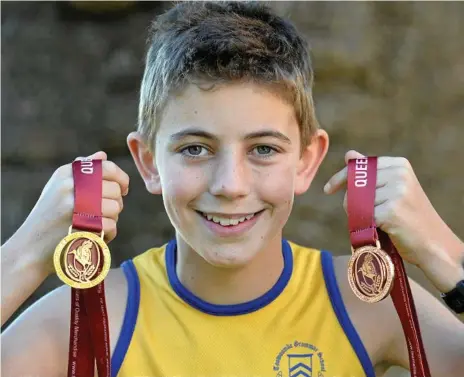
(381, 195)
(386, 162)
(393, 175)
(110, 209)
(384, 176)
(337, 182)
(112, 172)
(100, 155)
(111, 190)
(351, 155)
(382, 162)
(109, 227)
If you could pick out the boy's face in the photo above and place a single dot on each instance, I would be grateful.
(228, 164)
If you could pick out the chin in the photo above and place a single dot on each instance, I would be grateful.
(228, 257)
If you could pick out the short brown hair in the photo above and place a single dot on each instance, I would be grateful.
(220, 42)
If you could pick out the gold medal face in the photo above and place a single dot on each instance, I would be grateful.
(371, 273)
(77, 258)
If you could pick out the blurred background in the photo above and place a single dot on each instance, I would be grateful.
(389, 81)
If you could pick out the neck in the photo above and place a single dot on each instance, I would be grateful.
(228, 286)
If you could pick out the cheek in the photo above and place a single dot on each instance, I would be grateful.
(181, 184)
(276, 186)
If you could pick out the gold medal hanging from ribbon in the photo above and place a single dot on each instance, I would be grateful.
(82, 260)
(78, 258)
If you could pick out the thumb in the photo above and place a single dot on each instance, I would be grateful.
(351, 155)
(100, 155)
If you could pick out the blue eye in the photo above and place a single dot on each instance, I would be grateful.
(264, 149)
(193, 151)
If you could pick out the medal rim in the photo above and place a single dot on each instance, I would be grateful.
(390, 273)
(105, 255)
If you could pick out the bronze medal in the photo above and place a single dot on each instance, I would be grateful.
(374, 272)
(371, 273)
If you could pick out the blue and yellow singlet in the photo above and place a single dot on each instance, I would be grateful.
(299, 328)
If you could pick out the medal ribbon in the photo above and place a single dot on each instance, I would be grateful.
(362, 179)
(89, 331)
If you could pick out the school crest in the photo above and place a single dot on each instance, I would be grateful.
(299, 359)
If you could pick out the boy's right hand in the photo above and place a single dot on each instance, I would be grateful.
(51, 217)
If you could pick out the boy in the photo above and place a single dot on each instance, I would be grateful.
(228, 135)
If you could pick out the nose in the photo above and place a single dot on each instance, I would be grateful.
(230, 178)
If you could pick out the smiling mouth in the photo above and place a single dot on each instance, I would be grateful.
(228, 221)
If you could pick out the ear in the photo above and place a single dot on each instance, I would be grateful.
(145, 162)
(310, 160)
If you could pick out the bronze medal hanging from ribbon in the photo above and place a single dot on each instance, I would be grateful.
(82, 261)
(375, 272)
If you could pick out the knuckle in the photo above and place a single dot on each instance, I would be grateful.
(114, 233)
(110, 207)
(125, 180)
(404, 162)
(390, 213)
(109, 225)
(404, 173)
(401, 190)
(111, 189)
(109, 166)
(66, 186)
(68, 203)
(116, 189)
(63, 172)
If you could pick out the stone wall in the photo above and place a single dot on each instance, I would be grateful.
(389, 81)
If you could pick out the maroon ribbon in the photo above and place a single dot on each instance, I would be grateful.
(362, 179)
(89, 331)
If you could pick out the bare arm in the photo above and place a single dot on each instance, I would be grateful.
(22, 273)
(382, 334)
(445, 266)
(37, 342)
(442, 333)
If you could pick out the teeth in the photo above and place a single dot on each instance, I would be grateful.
(224, 221)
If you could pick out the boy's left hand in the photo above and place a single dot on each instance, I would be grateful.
(404, 212)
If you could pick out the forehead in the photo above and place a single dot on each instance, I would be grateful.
(228, 110)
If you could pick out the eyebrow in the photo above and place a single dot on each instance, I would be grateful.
(195, 132)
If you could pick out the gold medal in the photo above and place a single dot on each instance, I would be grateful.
(78, 258)
(371, 273)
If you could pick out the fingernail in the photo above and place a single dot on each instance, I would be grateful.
(327, 187)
